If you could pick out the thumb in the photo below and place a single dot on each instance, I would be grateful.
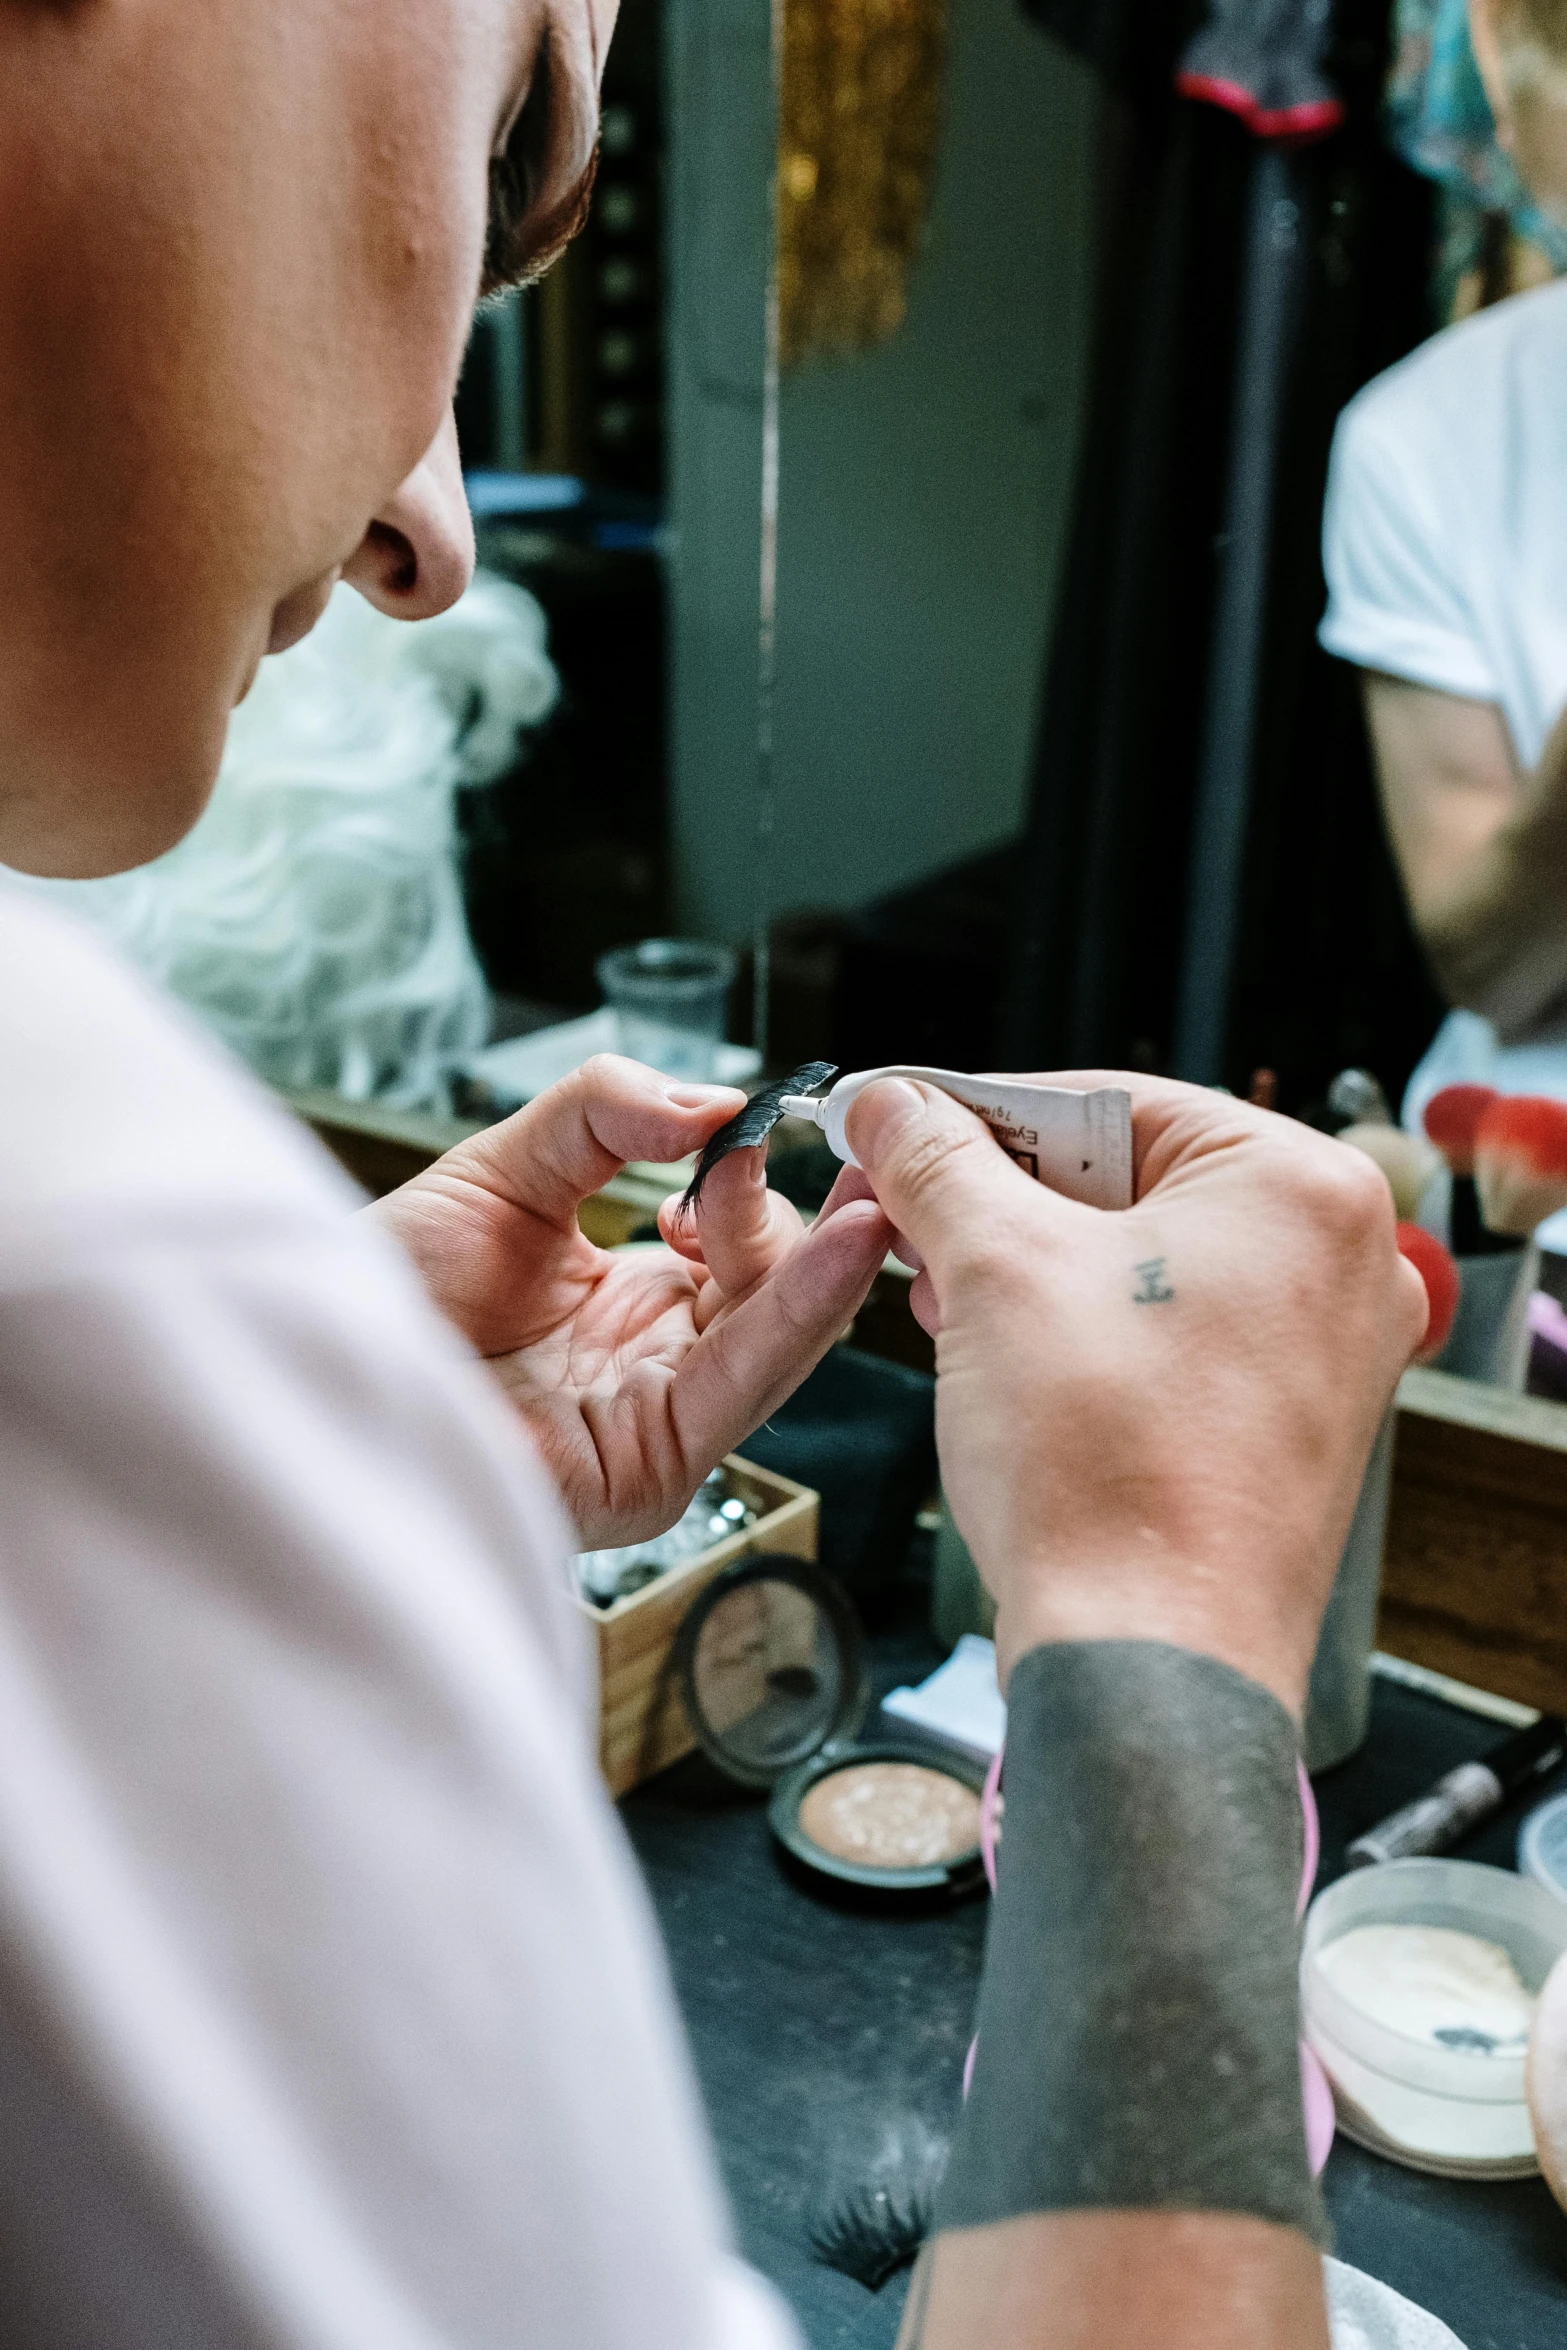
(937, 1171)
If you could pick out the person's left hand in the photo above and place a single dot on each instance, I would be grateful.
(635, 1373)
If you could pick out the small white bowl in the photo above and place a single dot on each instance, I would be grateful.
(1449, 2110)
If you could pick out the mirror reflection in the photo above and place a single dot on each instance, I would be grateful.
(1015, 536)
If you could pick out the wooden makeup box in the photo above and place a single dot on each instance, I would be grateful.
(1474, 1574)
(642, 1722)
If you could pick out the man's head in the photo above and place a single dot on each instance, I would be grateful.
(1521, 49)
(242, 248)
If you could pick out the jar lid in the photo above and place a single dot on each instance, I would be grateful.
(769, 1662)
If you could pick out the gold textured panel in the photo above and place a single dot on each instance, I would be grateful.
(859, 121)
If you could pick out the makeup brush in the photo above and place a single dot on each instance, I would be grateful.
(1406, 1160)
(1520, 1162)
(1355, 1098)
(1451, 1118)
(1440, 1275)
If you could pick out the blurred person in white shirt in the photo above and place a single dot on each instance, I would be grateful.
(1445, 547)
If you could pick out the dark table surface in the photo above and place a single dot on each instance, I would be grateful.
(825, 2027)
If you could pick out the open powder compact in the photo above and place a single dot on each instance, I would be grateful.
(769, 1664)
(1419, 1980)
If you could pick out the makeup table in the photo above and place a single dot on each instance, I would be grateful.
(821, 2021)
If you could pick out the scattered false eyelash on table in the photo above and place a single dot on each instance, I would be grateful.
(873, 2222)
(754, 1123)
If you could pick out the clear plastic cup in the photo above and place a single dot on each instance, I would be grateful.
(669, 997)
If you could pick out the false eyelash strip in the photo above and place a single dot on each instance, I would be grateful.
(754, 1123)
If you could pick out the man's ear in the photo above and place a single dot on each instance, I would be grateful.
(1489, 21)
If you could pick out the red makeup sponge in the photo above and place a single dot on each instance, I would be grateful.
(1521, 1161)
(1440, 1275)
(1451, 1119)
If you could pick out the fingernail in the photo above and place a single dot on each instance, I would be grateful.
(697, 1097)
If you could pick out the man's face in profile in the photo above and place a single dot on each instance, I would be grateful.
(243, 244)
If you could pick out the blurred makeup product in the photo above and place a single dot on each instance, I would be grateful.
(1077, 1143)
(768, 1665)
(1520, 1163)
(1439, 1272)
(1452, 1119)
(1463, 1797)
(1355, 1098)
(1498, 1268)
(891, 1815)
(714, 1512)
(1418, 1985)
(959, 1701)
(1406, 1161)
(1547, 1347)
(1542, 1845)
(1453, 1989)
(1490, 1337)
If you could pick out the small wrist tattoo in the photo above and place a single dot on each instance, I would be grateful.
(1155, 1290)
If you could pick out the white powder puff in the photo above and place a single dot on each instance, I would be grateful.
(314, 914)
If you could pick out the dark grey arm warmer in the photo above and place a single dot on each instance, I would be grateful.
(1139, 2015)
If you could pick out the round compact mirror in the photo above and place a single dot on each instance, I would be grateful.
(770, 1665)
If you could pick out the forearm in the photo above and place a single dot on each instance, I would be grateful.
(1131, 2163)
(1146, 2280)
(1497, 935)
(1481, 846)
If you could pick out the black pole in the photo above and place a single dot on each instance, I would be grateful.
(1274, 280)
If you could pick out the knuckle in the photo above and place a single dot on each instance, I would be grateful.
(601, 1073)
(1343, 1192)
(931, 1156)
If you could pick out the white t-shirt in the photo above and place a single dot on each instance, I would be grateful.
(1444, 534)
(332, 2014)
(1444, 540)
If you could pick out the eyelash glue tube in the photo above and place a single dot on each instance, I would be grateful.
(1080, 1144)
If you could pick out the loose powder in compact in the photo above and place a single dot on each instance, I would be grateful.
(1433, 1983)
(891, 1815)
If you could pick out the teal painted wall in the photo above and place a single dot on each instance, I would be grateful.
(924, 486)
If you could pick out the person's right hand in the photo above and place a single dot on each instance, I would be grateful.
(1152, 1424)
